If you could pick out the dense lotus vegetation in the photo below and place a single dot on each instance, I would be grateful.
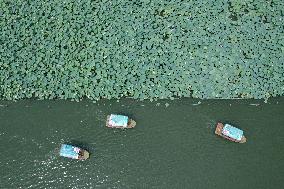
(144, 49)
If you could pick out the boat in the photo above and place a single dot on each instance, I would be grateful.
(119, 121)
(73, 152)
(230, 132)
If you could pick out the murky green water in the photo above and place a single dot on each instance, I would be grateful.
(171, 147)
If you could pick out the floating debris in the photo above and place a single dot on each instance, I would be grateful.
(265, 101)
(166, 105)
(254, 104)
(196, 103)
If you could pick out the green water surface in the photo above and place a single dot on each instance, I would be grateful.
(172, 146)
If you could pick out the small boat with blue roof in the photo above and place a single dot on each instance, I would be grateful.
(120, 121)
(73, 152)
(230, 132)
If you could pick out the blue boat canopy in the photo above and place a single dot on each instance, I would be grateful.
(232, 132)
(69, 151)
(118, 120)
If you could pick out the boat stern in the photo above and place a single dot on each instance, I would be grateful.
(219, 128)
(131, 123)
(243, 140)
(86, 155)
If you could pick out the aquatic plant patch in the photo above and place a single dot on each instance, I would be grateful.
(144, 49)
